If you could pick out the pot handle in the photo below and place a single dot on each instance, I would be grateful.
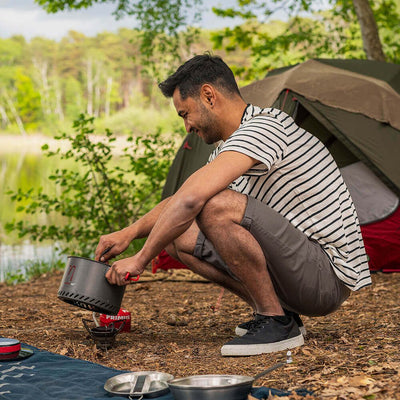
(105, 252)
(133, 279)
(127, 276)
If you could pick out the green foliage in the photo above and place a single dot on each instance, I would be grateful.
(73, 96)
(106, 193)
(387, 14)
(14, 277)
(138, 120)
(103, 75)
(32, 270)
(27, 100)
(333, 33)
(163, 25)
(10, 54)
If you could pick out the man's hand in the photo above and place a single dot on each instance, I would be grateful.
(118, 271)
(115, 242)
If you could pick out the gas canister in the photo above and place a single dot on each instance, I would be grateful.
(117, 320)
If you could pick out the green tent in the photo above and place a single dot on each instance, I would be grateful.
(352, 106)
(191, 156)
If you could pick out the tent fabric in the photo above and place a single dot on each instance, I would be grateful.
(192, 155)
(377, 145)
(332, 86)
(382, 243)
(372, 199)
(165, 262)
(326, 89)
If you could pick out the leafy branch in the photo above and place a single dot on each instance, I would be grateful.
(102, 193)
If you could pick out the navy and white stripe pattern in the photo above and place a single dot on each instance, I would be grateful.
(298, 178)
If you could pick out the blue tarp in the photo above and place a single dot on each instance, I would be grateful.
(49, 376)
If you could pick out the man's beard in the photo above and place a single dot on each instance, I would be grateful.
(208, 126)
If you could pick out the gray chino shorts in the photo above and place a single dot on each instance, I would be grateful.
(300, 270)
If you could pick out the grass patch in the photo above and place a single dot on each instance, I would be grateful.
(31, 270)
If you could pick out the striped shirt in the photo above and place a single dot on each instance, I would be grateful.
(297, 177)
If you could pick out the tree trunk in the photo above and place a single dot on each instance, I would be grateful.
(126, 93)
(107, 105)
(97, 99)
(15, 114)
(369, 30)
(42, 68)
(4, 117)
(58, 108)
(89, 86)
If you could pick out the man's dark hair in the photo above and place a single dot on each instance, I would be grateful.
(197, 71)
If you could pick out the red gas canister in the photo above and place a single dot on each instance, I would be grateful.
(123, 315)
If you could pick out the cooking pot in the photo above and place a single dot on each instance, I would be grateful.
(217, 387)
(84, 285)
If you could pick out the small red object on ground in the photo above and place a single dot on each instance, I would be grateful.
(9, 348)
(117, 320)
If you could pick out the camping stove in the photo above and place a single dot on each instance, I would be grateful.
(103, 336)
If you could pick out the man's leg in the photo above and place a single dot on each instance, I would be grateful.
(182, 250)
(249, 279)
(239, 250)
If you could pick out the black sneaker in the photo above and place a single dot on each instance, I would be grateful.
(242, 328)
(266, 335)
(298, 320)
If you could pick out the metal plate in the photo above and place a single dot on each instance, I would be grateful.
(137, 384)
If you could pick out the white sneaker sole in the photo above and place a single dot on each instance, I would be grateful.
(242, 332)
(262, 348)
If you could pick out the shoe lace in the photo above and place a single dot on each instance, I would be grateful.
(258, 323)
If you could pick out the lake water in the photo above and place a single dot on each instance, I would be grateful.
(24, 166)
(14, 258)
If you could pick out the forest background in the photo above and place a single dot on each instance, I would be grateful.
(45, 84)
(105, 86)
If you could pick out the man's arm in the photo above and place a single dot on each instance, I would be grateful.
(182, 208)
(118, 241)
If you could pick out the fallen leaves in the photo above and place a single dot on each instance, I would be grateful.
(358, 386)
(351, 354)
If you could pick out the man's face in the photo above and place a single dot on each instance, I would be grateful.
(197, 118)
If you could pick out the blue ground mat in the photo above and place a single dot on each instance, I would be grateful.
(49, 376)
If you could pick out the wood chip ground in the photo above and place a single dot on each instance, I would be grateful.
(179, 323)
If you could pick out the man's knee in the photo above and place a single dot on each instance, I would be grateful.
(184, 243)
(226, 205)
(170, 249)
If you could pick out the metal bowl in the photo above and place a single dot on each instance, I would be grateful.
(147, 384)
(211, 387)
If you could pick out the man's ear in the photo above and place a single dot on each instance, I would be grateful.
(208, 94)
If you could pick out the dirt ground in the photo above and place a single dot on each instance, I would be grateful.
(179, 324)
